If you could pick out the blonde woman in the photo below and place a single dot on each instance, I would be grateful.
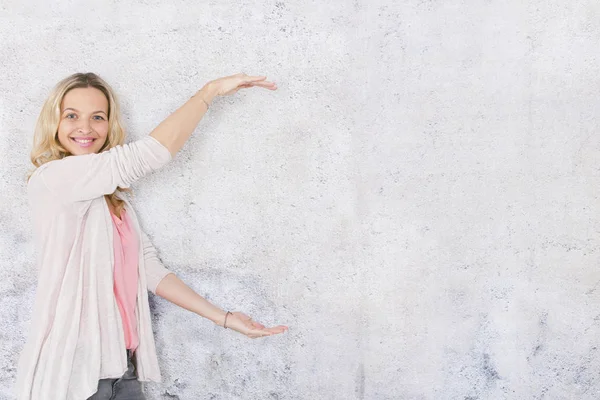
(91, 335)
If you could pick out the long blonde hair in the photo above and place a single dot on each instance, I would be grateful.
(46, 146)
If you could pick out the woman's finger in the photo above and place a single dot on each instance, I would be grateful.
(255, 78)
(258, 333)
(255, 333)
(258, 83)
(277, 329)
(263, 84)
(267, 85)
(273, 331)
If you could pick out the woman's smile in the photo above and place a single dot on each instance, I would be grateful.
(83, 142)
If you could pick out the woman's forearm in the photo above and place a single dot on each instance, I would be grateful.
(177, 292)
(178, 127)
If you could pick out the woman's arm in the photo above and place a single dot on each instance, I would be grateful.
(155, 269)
(84, 177)
(178, 127)
(177, 292)
(88, 176)
(174, 131)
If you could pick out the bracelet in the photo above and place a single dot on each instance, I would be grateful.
(225, 323)
(207, 106)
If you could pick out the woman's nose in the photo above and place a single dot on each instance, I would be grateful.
(84, 126)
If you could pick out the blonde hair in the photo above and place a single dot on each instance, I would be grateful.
(46, 146)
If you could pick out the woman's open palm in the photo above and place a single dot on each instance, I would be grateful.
(229, 85)
(242, 323)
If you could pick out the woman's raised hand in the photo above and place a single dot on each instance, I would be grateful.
(242, 323)
(229, 85)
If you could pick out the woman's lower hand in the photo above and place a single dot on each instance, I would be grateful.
(242, 323)
(229, 85)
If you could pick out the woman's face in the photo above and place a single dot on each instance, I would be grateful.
(83, 126)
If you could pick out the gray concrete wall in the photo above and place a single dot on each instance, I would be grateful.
(418, 201)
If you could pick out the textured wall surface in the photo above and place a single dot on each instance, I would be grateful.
(418, 201)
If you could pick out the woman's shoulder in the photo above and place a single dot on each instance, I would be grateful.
(37, 179)
(35, 184)
(36, 173)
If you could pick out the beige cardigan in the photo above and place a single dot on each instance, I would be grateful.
(76, 335)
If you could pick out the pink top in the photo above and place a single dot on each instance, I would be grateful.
(126, 275)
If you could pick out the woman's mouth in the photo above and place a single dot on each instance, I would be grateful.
(83, 142)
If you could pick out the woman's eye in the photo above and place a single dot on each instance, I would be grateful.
(99, 117)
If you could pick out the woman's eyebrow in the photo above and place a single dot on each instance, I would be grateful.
(78, 110)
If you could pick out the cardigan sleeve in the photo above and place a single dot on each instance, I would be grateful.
(85, 177)
(155, 270)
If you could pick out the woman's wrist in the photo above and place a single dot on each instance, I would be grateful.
(219, 319)
(207, 93)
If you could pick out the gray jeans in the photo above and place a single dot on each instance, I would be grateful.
(126, 387)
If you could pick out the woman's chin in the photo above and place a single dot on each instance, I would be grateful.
(79, 152)
(77, 149)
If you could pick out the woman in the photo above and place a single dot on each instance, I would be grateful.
(91, 335)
